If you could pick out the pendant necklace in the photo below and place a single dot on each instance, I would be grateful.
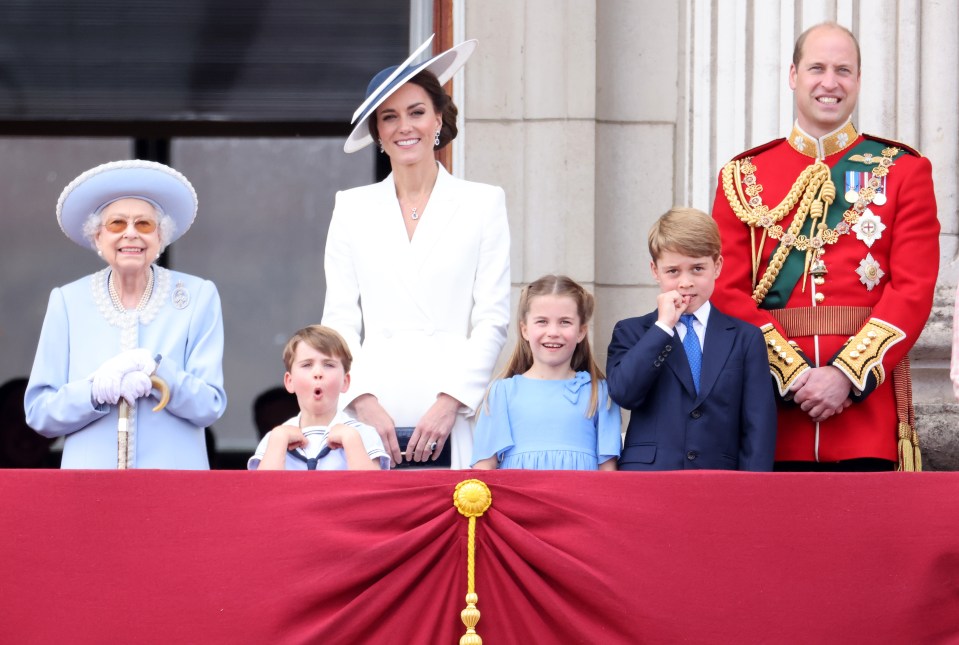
(414, 214)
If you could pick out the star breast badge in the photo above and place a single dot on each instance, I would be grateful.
(869, 272)
(869, 228)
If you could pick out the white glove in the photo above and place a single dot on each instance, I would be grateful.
(106, 380)
(136, 359)
(105, 387)
(134, 385)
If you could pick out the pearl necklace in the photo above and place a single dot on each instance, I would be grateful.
(115, 296)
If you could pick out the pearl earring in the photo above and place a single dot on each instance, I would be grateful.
(436, 139)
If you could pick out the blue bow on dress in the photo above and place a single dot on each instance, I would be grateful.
(574, 385)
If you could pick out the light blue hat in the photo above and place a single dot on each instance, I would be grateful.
(387, 81)
(153, 182)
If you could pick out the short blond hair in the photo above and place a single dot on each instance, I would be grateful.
(687, 231)
(322, 339)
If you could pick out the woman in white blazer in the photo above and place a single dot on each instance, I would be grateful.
(418, 264)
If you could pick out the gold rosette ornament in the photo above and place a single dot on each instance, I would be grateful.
(471, 498)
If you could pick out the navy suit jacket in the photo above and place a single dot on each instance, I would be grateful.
(729, 425)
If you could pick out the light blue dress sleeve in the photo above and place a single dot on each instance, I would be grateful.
(196, 380)
(609, 443)
(493, 435)
(55, 405)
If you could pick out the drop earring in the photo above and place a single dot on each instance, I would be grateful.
(436, 139)
(380, 141)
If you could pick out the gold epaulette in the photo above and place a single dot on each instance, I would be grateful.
(864, 352)
(785, 361)
(893, 143)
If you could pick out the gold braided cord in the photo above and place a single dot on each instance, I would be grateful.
(751, 216)
(471, 498)
(910, 457)
(748, 207)
(471, 557)
(776, 264)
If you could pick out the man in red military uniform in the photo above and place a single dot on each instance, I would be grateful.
(831, 241)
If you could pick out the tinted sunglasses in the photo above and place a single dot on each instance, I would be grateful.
(119, 224)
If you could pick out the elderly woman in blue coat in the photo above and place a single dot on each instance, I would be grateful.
(105, 335)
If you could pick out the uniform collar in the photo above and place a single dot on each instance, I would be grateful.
(830, 144)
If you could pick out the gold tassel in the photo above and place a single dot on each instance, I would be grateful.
(918, 458)
(471, 498)
(910, 459)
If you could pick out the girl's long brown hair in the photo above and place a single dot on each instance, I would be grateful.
(582, 360)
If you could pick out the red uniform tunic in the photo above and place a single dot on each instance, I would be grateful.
(862, 307)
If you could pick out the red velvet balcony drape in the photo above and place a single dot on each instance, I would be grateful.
(236, 557)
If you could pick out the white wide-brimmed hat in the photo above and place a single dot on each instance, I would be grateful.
(131, 178)
(387, 81)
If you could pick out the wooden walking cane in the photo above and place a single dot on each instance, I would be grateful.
(123, 426)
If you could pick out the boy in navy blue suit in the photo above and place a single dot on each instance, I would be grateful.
(695, 380)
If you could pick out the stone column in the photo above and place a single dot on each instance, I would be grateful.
(927, 111)
(637, 65)
(530, 117)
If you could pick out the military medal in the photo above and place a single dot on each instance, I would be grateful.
(869, 228)
(855, 182)
(880, 197)
(869, 272)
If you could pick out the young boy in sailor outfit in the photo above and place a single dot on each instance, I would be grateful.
(319, 438)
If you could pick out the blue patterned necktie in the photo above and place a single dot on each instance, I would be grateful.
(693, 351)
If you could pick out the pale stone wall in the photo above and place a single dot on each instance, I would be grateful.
(597, 115)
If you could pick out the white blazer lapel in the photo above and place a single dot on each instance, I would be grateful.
(440, 212)
(389, 219)
(432, 231)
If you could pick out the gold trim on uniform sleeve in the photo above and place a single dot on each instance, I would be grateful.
(864, 352)
(785, 362)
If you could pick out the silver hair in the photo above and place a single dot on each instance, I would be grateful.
(166, 228)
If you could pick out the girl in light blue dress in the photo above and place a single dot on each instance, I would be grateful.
(550, 409)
